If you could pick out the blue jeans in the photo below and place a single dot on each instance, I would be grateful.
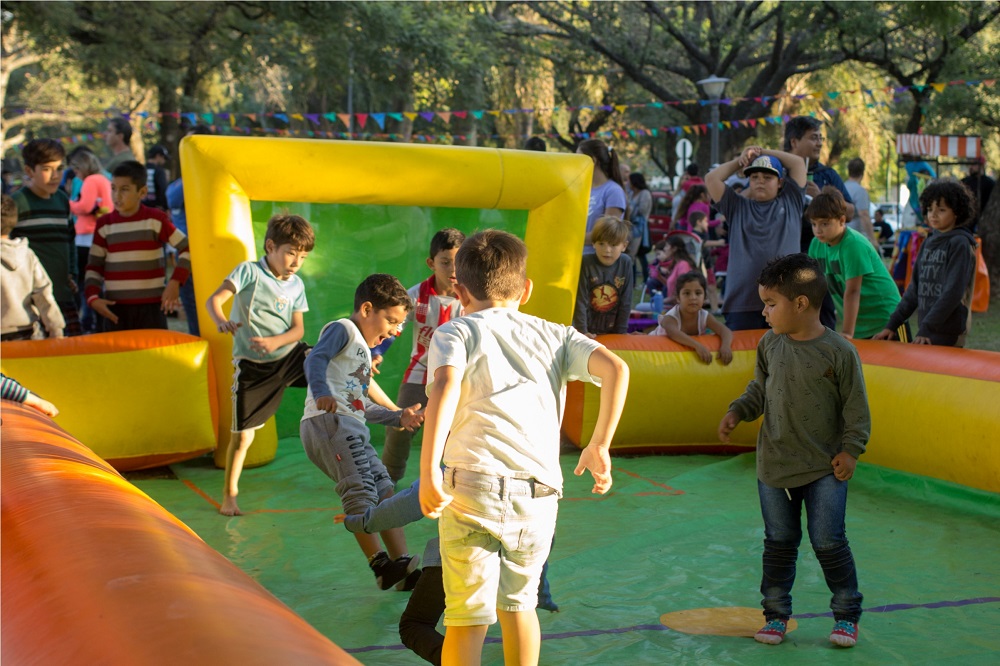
(401, 509)
(190, 306)
(825, 500)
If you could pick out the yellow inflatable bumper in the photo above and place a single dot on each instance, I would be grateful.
(934, 409)
(139, 398)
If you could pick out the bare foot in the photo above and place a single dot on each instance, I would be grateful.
(229, 507)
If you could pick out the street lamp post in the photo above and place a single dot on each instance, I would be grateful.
(714, 86)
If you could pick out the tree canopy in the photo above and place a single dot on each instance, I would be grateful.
(493, 73)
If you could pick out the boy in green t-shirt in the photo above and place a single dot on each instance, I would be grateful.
(862, 290)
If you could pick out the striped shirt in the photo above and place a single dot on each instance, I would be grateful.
(10, 389)
(127, 257)
(46, 225)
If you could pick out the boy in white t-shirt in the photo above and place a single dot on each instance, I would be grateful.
(334, 428)
(496, 392)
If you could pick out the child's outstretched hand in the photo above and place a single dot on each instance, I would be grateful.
(884, 334)
(42, 405)
(703, 353)
(171, 299)
(727, 425)
(327, 403)
(263, 345)
(229, 327)
(921, 340)
(843, 465)
(596, 459)
(412, 417)
(100, 306)
(433, 499)
(725, 354)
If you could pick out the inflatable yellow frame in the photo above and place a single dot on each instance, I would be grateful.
(222, 175)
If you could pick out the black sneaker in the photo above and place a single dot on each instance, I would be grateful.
(409, 582)
(389, 573)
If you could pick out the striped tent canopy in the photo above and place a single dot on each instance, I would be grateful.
(932, 145)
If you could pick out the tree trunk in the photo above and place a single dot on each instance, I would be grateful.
(169, 124)
(989, 231)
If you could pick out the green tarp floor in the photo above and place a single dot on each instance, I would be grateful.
(676, 533)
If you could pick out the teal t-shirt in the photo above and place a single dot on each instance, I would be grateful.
(855, 256)
(264, 305)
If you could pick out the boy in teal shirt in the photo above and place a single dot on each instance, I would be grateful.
(860, 285)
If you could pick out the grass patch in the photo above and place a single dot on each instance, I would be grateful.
(985, 332)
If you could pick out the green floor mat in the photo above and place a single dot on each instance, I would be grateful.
(676, 533)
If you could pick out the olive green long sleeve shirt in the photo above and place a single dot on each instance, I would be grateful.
(813, 399)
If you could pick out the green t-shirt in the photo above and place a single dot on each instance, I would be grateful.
(854, 256)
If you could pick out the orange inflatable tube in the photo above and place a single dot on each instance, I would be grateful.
(95, 572)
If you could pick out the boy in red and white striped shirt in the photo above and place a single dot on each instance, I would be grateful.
(127, 258)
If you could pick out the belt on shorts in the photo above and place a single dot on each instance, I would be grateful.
(538, 489)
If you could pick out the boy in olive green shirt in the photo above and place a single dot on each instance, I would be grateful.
(809, 388)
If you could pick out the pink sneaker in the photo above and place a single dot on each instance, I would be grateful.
(773, 632)
(844, 634)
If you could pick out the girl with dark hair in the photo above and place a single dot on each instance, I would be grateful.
(675, 260)
(695, 200)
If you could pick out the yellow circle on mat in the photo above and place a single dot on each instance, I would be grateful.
(727, 621)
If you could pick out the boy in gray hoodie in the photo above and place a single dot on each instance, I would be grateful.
(941, 288)
(24, 285)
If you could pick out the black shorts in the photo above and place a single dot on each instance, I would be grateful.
(259, 386)
(131, 317)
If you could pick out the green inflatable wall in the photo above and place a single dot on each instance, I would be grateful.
(354, 241)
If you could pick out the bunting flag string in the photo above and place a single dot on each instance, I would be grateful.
(638, 132)
(379, 118)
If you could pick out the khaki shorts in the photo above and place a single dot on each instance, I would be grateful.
(495, 536)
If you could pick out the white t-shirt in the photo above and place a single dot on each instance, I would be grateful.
(675, 313)
(514, 371)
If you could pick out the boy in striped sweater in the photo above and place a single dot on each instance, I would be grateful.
(127, 259)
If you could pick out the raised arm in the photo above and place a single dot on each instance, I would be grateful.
(715, 180)
(794, 165)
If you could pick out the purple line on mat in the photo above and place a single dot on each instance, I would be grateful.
(888, 608)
